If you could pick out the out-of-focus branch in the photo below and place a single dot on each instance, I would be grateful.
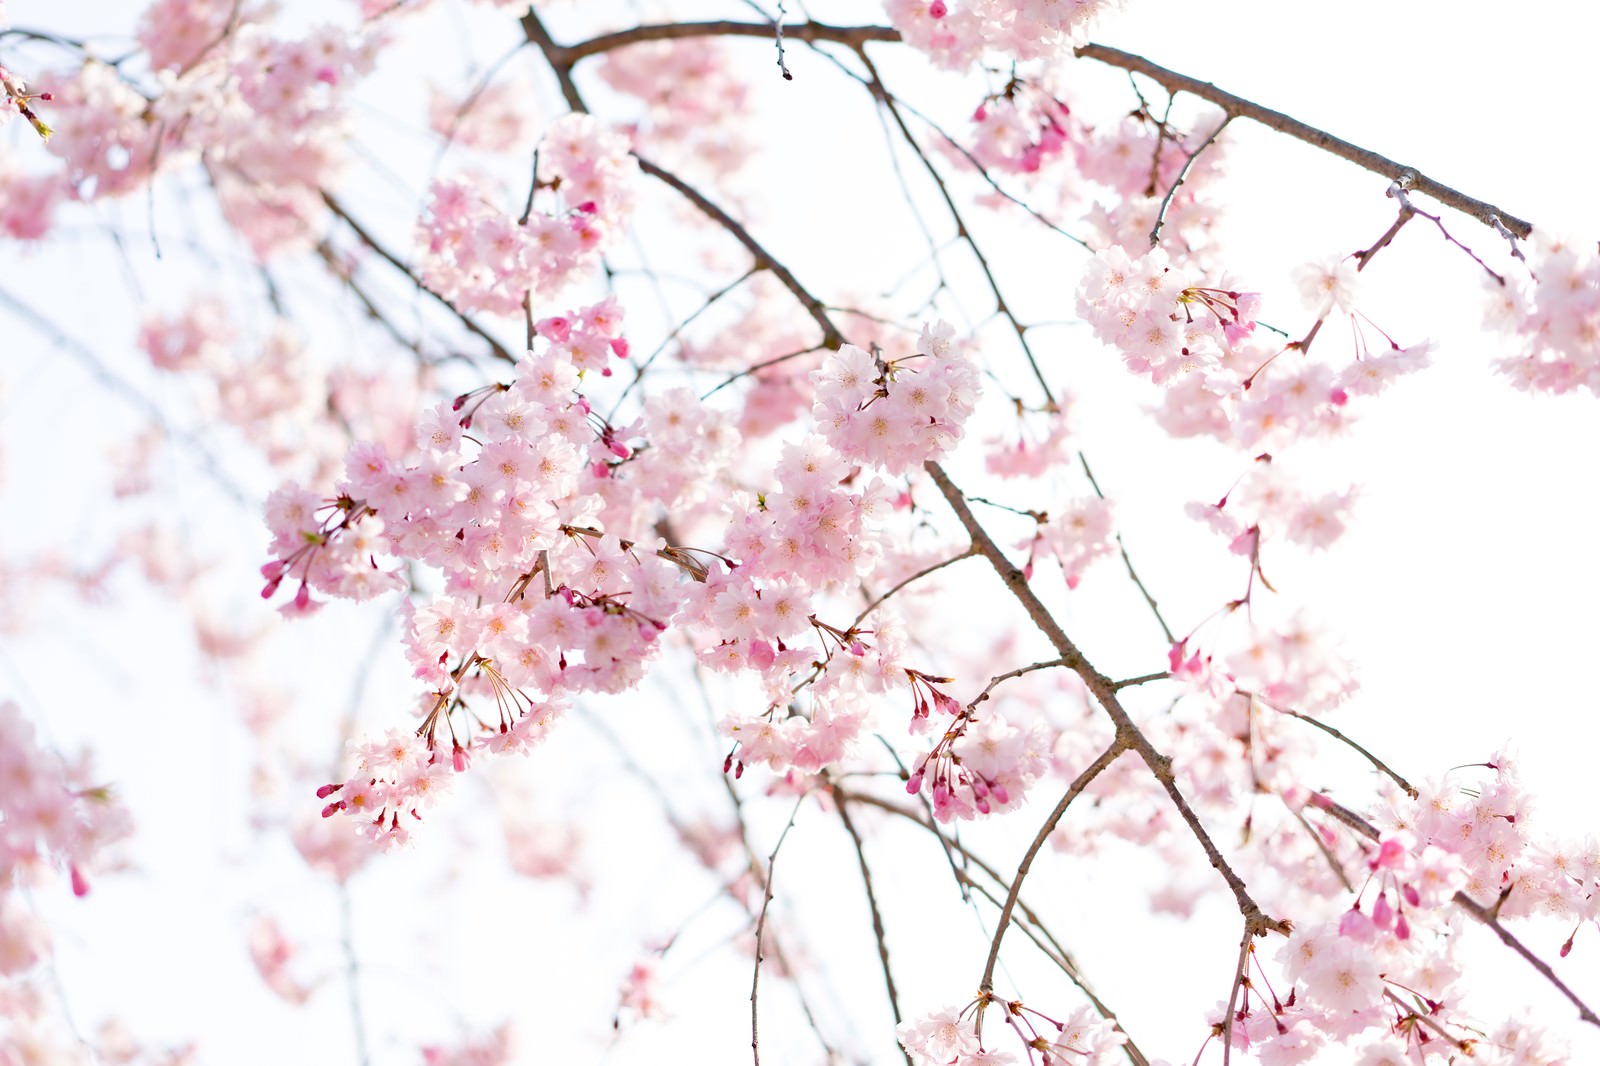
(872, 904)
(500, 351)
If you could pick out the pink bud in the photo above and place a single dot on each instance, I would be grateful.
(619, 347)
(327, 790)
(914, 783)
(1339, 397)
(937, 9)
(460, 759)
(1382, 912)
(599, 469)
(1413, 897)
(588, 207)
(1355, 925)
(619, 449)
(302, 598)
(980, 114)
(328, 811)
(1402, 928)
(1000, 793)
(80, 884)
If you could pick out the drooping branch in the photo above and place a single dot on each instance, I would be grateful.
(819, 314)
(1239, 107)
(878, 935)
(1023, 916)
(1074, 790)
(1129, 735)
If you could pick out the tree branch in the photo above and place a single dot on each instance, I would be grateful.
(1238, 106)
(1129, 735)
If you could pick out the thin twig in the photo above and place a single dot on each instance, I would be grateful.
(1029, 922)
(670, 337)
(1074, 790)
(1239, 976)
(761, 927)
(1161, 216)
(831, 336)
(872, 905)
(919, 575)
(809, 32)
(881, 92)
(352, 972)
(1127, 560)
(500, 351)
(1409, 789)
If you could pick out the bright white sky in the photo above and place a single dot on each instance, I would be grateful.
(1464, 591)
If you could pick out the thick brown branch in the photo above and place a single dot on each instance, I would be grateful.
(1237, 106)
(810, 32)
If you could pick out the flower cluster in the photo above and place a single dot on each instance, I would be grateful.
(1020, 130)
(695, 99)
(52, 819)
(1162, 321)
(1554, 317)
(900, 413)
(483, 258)
(957, 33)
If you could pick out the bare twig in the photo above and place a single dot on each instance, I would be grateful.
(1335, 734)
(1127, 560)
(761, 927)
(872, 904)
(1240, 976)
(1166, 202)
(809, 32)
(500, 351)
(1074, 790)
(919, 575)
(881, 92)
(764, 260)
